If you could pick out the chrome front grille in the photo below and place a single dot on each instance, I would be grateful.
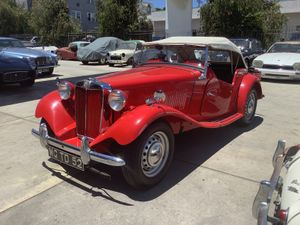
(115, 57)
(277, 67)
(16, 76)
(89, 107)
(41, 61)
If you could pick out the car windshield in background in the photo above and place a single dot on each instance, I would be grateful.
(83, 44)
(285, 47)
(241, 43)
(127, 45)
(189, 55)
(5, 43)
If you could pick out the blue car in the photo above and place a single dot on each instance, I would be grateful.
(20, 65)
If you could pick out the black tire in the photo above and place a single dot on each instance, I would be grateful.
(111, 64)
(85, 62)
(247, 60)
(27, 83)
(130, 61)
(250, 108)
(102, 61)
(143, 169)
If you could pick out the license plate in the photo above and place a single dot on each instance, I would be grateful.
(43, 70)
(66, 158)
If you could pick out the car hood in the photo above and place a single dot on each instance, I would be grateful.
(279, 58)
(141, 83)
(25, 52)
(148, 74)
(121, 51)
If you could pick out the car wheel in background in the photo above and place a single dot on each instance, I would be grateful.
(250, 108)
(130, 61)
(59, 56)
(111, 64)
(102, 61)
(85, 62)
(149, 157)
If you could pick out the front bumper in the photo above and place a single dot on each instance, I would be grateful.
(86, 154)
(263, 197)
(279, 74)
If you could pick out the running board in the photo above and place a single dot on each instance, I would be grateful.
(221, 123)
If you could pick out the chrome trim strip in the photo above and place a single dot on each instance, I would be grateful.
(84, 152)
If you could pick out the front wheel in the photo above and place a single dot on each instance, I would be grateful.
(250, 108)
(27, 83)
(102, 61)
(149, 157)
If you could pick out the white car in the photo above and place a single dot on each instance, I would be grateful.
(124, 53)
(283, 189)
(281, 61)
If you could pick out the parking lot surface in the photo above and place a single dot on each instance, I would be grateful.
(212, 181)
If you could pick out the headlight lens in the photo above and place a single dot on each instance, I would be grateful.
(64, 89)
(296, 66)
(117, 100)
(257, 63)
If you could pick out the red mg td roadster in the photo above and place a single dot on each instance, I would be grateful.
(128, 119)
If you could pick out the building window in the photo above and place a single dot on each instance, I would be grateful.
(75, 14)
(91, 17)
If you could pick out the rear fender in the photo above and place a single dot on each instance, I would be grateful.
(249, 81)
(58, 113)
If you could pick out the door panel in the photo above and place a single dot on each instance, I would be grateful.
(217, 98)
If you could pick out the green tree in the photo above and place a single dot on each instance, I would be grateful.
(242, 18)
(117, 17)
(50, 20)
(13, 18)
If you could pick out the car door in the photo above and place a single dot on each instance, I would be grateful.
(218, 94)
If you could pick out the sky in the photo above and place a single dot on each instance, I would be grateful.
(161, 3)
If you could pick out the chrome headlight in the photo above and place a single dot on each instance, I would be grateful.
(296, 66)
(257, 63)
(117, 100)
(123, 55)
(64, 89)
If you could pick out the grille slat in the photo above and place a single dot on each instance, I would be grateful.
(277, 67)
(88, 111)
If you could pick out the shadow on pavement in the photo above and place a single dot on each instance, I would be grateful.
(14, 94)
(192, 149)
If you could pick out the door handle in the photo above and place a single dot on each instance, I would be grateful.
(211, 93)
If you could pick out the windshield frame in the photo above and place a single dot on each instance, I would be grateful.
(287, 44)
(10, 41)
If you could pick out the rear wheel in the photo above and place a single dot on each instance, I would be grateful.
(149, 157)
(250, 108)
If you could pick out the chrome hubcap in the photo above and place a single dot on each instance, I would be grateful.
(250, 105)
(155, 154)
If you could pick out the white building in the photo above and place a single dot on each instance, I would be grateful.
(158, 19)
(290, 8)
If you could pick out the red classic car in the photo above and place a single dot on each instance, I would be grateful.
(128, 119)
(70, 52)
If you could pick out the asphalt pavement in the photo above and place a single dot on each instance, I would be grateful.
(212, 181)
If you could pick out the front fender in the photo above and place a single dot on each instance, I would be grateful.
(249, 81)
(58, 113)
(131, 124)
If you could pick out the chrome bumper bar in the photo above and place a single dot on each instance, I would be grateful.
(84, 152)
(263, 197)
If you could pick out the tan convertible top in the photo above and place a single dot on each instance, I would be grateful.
(214, 42)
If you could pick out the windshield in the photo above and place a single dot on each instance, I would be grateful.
(241, 42)
(127, 45)
(5, 43)
(285, 47)
(188, 55)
